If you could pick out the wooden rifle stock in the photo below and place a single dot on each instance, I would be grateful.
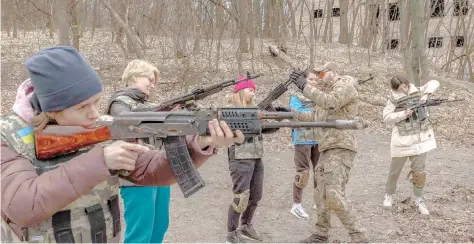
(57, 140)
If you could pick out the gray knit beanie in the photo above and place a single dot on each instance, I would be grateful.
(61, 78)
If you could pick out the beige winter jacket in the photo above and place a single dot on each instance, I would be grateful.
(403, 146)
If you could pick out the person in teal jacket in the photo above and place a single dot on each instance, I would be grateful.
(146, 208)
(306, 153)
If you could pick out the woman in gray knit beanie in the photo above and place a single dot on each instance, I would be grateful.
(74, 197)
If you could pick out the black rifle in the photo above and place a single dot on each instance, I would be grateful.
(197, 94)
(419, 108)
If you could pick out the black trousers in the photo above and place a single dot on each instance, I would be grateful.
(246, 174)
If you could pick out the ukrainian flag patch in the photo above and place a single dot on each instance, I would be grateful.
(26, 134)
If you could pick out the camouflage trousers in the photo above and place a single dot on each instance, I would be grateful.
(332, 174)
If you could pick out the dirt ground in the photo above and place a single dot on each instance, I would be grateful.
(202, 217)
(449, 194)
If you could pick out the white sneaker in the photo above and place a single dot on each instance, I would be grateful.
(387, 202)
(298, 211)
(314, 207)
(420, 203)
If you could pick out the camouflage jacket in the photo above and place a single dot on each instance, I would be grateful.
(127, 100)
(339, 101)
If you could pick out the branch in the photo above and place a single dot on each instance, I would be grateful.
(219, 5)
(458, 57)
(34, 5)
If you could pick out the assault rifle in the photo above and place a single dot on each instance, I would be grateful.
(171, 127)
(419, 108)
(197, 94)
(282, 87)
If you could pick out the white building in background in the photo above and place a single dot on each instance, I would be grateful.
(444, 31)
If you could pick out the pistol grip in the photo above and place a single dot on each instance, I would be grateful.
(182, 165)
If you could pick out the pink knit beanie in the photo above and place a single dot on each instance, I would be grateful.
(244, 84)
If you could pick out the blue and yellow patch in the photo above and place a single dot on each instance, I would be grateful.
(26, 134)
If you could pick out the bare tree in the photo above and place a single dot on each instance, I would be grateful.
(344, 25)
(130, 36)
(418, 60)
(74, 23)
(63, 22)
(95, 14)
(404, 38)
(329, 5)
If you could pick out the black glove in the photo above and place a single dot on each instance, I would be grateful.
(298, 79)
(282, 109)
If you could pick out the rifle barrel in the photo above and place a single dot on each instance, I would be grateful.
(338, 124)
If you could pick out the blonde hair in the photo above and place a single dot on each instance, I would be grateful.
(238, 100)
(138, 67)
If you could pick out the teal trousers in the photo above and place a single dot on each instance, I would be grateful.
(146, 213)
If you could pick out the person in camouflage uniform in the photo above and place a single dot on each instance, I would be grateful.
(74, 197)
(246, 171)
(144, 206)
(338, 148)
(411, 137)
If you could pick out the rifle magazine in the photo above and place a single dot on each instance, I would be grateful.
(182, 165)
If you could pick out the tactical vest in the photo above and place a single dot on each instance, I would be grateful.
(252, 148)
(412, 125)
(305, 135)
(93, 217)
(133, 104)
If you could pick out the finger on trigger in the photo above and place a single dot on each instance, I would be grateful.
(135, 147)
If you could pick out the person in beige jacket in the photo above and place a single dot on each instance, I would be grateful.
(411, 138)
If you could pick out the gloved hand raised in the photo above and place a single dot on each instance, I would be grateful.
(298, 79)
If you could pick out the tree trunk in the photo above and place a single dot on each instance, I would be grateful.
(267, 28)
(300, 28)
(385, 27)
(74, 23)
(243, 41)
(94, 18)
(418, 47)
(468, 43)
(258, 18)
(63, 23)
(311, 36)
(130, 36)
(293, 17)
(84, 18)
(404, 38)
(344, 25)
(329, 5)
(220, 30)
(15, 21)
(353, 22)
